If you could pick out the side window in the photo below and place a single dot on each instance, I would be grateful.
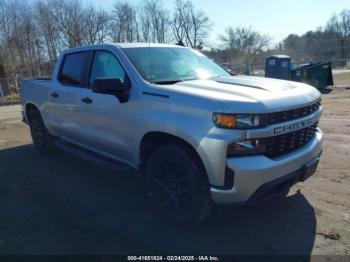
(72, 69)
(105, 65)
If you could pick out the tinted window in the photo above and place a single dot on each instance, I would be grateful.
(105, 65)
(73, 68)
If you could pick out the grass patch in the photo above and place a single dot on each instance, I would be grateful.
(11, 99)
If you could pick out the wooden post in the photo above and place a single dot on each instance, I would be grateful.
(16, 84)
(2, 97)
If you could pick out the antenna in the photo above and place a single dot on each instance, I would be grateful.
(149, 59)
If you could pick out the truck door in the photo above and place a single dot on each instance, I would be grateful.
(103, 117)
(65, 104)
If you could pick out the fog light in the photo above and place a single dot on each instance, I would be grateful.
(247, 147)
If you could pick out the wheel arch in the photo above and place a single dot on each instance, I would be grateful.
(29, 109)
(152, 140)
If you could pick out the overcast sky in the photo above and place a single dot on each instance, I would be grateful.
(278, 18)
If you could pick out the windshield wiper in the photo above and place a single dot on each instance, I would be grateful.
(171, 82)
(168, 82)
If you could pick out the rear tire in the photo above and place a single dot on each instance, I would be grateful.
(177, 186)
(41, 137)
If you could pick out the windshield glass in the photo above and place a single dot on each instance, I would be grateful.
(170, 65)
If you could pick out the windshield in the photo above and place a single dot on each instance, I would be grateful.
(166, 65)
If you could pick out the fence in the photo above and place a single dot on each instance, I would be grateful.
(9, 91)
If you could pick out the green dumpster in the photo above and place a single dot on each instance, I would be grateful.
(318, 75)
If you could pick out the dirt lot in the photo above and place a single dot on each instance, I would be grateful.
(62, 204)
(341, 77)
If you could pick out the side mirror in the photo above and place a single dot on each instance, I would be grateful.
(112, 86)
(232, 73)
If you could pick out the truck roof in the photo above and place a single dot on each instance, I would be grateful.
(120, 45)
(138, 45)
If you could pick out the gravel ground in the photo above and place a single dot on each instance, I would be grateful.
(63, 204)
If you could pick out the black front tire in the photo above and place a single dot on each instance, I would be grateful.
(177, 185)
(41, 137)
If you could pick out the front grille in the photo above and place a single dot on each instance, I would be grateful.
(280, 117)
(283, 144)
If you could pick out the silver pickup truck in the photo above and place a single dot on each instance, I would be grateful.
(197, 135)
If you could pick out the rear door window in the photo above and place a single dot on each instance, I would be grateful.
(73, 68)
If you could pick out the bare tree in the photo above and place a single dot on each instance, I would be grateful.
(245, 43)
(96, 25)
(8, 36)
(181, 22)
(332, 41)
(124, 27)
(340, 24)
(179, 30)
(155, 22)
(49, 30)
(145, 24)
(69, 15)
(30, 43)
(190, 26)
(32, 33)
(20, 43)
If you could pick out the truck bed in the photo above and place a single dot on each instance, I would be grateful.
(35, 91)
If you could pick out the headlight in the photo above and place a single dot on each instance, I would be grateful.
(235, 121)
(247, 147)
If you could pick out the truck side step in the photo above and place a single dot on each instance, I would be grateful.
(92, 156)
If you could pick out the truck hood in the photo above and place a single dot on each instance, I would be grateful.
(252, 93)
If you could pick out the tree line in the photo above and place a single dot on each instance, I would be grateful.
(32, 33)
(331, 41)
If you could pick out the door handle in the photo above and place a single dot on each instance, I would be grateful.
(55, 95)
(87, 100)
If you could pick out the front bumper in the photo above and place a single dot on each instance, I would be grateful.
(255, 172)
